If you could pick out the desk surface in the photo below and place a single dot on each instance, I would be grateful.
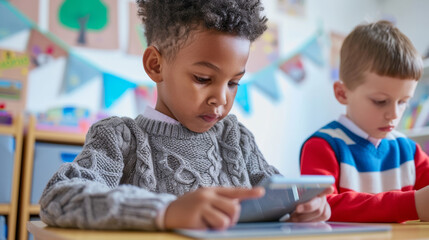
(43, 232)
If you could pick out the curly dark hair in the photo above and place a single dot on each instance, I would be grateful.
(169, 22)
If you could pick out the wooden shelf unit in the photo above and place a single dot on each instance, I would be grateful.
(33, 135)
(420, 134)
(11, 209)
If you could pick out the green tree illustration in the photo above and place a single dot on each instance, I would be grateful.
(83, 15)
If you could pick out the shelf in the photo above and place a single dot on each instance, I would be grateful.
(425, 75)
(4, 209)
(11, 209)
(34, 209)
(33, 135)
(7, 130)
(420, 132)
(416, 132)
(72, 138)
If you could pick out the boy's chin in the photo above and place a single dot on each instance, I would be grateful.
(199, 129)
(381, 135)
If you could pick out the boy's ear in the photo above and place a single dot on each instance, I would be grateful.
(152, 63)
(340, 92)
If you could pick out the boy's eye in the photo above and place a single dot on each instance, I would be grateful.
(233, 84)
(379, 102)
(201, 79)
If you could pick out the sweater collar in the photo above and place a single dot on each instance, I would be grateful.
(154, 114)
(162, 128)
(349, 124)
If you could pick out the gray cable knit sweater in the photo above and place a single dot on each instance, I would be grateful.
(131, 169)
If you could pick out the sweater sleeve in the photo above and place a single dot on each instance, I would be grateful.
(257, 167)
(318, 158)
(87, 192)
(421, 161)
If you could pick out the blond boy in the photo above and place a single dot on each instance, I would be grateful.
(381, 175)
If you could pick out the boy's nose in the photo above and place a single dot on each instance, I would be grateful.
(218, 97)
(393, 112)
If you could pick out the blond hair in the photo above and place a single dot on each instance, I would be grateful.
(379, 48)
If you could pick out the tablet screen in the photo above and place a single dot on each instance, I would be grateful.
(246, 230)
(281, 197)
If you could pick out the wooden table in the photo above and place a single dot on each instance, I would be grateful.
(41, 231)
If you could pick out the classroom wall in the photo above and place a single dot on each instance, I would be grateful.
(280, 127)
(306, 107)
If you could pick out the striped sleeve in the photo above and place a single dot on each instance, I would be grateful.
(421, 160)
(317, 157)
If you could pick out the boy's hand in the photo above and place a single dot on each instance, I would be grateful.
(216, 208)
(315, 210)
(422, 198)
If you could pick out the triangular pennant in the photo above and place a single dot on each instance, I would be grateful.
(78, 72)
(114, 87)
(43, 49)
(313, 51)
(242, 97)
(10, 20)
(265, 81)
(294, 68)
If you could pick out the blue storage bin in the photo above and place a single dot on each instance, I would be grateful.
(48, 157)
(3, 228)
(7, 149)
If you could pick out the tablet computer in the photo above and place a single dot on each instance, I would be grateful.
(282, 194)
(275, 229)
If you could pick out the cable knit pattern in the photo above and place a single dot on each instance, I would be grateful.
(131, 169)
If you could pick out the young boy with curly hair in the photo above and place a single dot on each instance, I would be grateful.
(186, 163)
(381, 175)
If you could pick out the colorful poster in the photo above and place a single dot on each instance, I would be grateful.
(13, 65)
(136, 39)
(294, 8)
(85, 23)
(43, 50)
(10, 89)
(264, 51)
(13, 80)
(336, 43)
(28, 8)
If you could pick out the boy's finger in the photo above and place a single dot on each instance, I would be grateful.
(242, 193)
(229, 207)
(327, 191)
(310, 206)
(315, 216)
(216, 219)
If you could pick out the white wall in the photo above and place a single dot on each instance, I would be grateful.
(305, 107)
(412, 19)
(279, 127)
